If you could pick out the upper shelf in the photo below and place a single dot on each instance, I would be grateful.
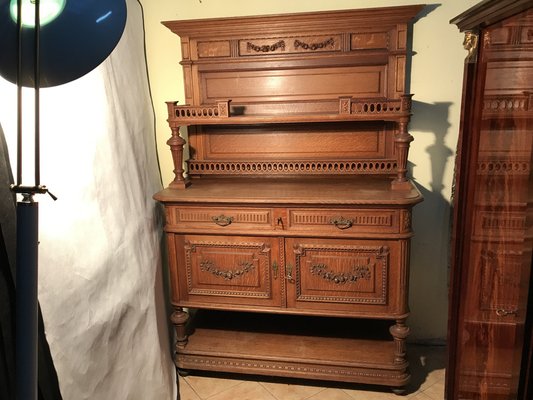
(349, 109)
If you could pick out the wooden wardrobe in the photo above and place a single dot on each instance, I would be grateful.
(289, 234)
(490, 295)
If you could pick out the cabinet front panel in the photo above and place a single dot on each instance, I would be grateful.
(294, 84)
(354, 276)
(297, 142)
(344, 221)
(229, 270)
(219, 219)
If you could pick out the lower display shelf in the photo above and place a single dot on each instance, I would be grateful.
(346, 350)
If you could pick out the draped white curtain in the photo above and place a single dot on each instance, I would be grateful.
(100, 265)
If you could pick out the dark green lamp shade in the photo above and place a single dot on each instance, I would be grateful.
(75, 37)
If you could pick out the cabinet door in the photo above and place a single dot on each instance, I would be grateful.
(492, 244)
(347, 277)
(223, 270)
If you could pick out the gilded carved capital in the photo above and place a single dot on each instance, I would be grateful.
(470, 44)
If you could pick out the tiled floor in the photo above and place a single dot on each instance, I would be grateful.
(427, 383)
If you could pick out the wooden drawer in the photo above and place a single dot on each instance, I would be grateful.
(222, 219)
(227, 270)
(359, 277)
(343, 221)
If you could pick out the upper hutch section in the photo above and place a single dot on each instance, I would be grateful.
(327, 64)
(297, 94)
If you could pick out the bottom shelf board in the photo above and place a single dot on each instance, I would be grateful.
(346, 350)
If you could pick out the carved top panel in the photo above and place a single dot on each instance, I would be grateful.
(342, 20)
(335, 70)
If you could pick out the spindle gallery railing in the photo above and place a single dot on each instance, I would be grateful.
(349, 109)
(397, 111)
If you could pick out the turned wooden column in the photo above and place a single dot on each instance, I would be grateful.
(176, 144)
(402, 141)
(399, 332)
(179, 319)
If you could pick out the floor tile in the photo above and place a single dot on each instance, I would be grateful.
(245, 391)
(370, 395)
(420, 396)
(283, 391)
(427, 366)
(207, 386)
(331, 394)
(186, 392)
(435, 391)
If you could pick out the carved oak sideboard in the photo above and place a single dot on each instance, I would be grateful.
(289, 235)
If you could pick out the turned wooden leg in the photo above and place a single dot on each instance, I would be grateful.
(179, 318)
(399, 333)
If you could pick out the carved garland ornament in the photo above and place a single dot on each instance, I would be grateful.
(359, 272)
(313, 46)
(208, 266)
(266, 48)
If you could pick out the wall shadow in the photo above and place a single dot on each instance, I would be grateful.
(431, 224)
(428, 9)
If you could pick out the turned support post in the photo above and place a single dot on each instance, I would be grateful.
(176, 144)
(402, 142)
(179, 319)
(399, 332)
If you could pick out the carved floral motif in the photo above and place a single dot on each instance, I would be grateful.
(358, 272)
(314, 46)
(266, 48)
(209, 266)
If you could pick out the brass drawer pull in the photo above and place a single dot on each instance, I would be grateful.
(504, 313)
(222, 220)
(341, 222)
(275, 269)
(289, 273)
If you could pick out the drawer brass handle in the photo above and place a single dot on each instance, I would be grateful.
(504, 313)
(222, 220)
(341, 222)
(275, 268)
(289, 273)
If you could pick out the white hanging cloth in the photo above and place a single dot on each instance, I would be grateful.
(100, 265)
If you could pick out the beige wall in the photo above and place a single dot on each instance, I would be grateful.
(436, 79)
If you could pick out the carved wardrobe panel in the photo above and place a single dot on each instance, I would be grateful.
(490, 327)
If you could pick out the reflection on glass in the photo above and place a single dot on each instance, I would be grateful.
(497, 260)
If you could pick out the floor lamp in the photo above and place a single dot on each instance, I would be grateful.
(45, 43)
